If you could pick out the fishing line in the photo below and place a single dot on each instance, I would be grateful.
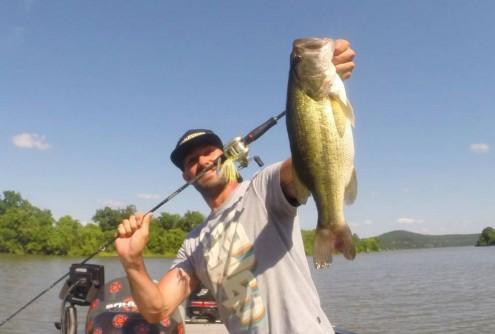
(246, 140)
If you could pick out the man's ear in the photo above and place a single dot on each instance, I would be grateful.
(184, 177)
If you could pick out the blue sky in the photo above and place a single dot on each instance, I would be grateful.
(94, 95)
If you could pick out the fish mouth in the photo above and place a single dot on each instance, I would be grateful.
(311, 63)
(311, 43)
(313, 54)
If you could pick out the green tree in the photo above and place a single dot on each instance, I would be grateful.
(308, 240)
(487, 237)
(167, 241)
(108, 219)
(168, 221)
(8, 238)
(11, 199)
(190, 220)
(24, 228)
(67, 235)
(156, 243)
(90, 239)
(369, 245)
(172, 240)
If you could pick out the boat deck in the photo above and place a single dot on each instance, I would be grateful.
(205, 328)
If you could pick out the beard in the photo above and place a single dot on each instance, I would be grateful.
(210, 183)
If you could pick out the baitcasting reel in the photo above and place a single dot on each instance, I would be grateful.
(238, 150)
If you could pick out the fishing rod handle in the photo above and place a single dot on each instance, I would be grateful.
(260, 130)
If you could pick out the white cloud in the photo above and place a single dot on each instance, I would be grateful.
(409, 221)
(30, 141)
(148, 196)
(367, 222)
(114, 204)
(479, 148)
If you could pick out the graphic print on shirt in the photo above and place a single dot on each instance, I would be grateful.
(231, 262)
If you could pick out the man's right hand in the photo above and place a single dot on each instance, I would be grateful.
(132, 238)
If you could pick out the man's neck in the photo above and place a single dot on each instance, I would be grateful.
(216, 199)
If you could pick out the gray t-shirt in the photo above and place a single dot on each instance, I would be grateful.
(250, 254)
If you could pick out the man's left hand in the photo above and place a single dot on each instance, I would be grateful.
(343, 58)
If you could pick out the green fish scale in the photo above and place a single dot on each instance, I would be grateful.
(317, 154)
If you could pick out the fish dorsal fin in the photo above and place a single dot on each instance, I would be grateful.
(301, 191)
(351, 189)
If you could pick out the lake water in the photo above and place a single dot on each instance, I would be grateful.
(442, 290)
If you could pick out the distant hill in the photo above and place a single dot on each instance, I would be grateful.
(407, 240)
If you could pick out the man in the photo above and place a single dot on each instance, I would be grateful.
(248, 252)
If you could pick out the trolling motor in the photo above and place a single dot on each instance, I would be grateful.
(82, 286)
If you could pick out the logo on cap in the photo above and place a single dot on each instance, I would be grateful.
(191, 136)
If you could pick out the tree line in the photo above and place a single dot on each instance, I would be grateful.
(26, 229)
(366, 245)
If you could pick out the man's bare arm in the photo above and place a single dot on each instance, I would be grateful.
(286, 181)
(155, 301)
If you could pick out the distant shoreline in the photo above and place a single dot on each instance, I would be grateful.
(101, 255)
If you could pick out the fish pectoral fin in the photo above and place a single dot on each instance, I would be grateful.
(300, 190)
(350, 113)
(341, 114)
(337, 93)
(351, 189)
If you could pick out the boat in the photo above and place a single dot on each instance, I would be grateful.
(112, 310)
(201, 305)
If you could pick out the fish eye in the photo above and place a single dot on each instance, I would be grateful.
(296, 59)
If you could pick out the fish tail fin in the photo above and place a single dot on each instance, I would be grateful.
(329, 241)
(322, 248)
(344, 243)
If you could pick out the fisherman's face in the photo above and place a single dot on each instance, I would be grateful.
(197, 160)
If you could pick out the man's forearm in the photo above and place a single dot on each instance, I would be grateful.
(156, 301)
(146, 293)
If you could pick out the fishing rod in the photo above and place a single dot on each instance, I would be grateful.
(236, 150)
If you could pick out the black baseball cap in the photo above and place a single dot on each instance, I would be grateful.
(191, 139)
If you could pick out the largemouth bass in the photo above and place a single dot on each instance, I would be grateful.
(319, 124)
